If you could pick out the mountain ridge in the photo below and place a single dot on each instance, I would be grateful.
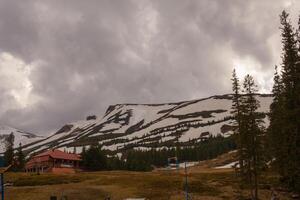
(146, 126)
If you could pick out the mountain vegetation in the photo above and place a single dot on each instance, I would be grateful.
(284, 129)
(95, 158)
(279, 145)
(249, 132)
(9, 150)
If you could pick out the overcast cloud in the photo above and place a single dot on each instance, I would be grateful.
(62, 60)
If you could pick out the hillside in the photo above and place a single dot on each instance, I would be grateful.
(20, 137)
(145, 126)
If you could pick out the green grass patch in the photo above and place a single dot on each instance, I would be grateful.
(50, 179)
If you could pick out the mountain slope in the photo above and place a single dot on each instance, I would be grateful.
(20, 137)
(145, 126)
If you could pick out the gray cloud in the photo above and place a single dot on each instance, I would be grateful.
(86, 55)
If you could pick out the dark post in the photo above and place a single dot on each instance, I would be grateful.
(186, 182)
(2, 186)
(53, 198)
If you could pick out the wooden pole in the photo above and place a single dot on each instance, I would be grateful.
(2, 186)
(2, 171)
(186, 182)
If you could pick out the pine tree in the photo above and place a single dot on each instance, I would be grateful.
(94, 159)
(249, 132)
(21, 159)
(83, 150)
(287, 122)
(9, 150)
(252, 135)
(236, 111)
(274, 129)
(74, 150)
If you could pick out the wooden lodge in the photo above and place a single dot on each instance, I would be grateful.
(53, 161)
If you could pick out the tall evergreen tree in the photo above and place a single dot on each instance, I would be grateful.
(274, 129)
(252, 135)
(236, 111)
(20, 159)
(9, 150)
(249, 132)
(285, 110)
(94, 159)
(74, 150)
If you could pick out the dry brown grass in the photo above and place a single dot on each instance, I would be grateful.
(214, 185)
(204, 183)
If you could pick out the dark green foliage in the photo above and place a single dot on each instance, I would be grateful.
(20, 164)
(284, 129)
(252, 135)
(115, 163)
(94, 159)
(249, 133)
(9, 150)
(208, 149)
(237, 114)
(136, 160)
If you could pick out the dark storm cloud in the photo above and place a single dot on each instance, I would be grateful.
(87, 55)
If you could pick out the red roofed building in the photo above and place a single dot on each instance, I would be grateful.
(54, 161)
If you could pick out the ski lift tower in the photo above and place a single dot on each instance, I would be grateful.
(187, 196)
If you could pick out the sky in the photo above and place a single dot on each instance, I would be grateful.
(62, 60)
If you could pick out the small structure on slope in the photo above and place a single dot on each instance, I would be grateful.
(53, 161)
(173, 163)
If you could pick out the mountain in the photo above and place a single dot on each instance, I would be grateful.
(146, 126)
(22, 137)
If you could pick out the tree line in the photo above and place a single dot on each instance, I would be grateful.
(95, 158)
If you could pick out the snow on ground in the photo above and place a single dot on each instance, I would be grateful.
(194, 133)
(188, 164)
(165, 123)
(205, 105)
(21, 137)
(264, 103)
(227, 166)
(142, 148)
(164, 139)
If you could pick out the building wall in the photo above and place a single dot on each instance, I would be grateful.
(51, 165)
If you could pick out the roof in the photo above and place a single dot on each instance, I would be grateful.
(57, 154)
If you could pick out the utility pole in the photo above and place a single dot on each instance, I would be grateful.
(2, 171)
(186, 182)
(2, 186)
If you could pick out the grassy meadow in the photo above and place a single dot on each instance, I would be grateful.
(204, 183)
